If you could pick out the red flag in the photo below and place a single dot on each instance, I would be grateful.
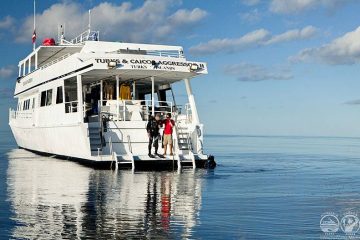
(34, 36)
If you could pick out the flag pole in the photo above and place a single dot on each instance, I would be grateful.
(34, 41)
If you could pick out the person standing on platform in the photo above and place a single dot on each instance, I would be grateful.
(152, 129)
(168, 130)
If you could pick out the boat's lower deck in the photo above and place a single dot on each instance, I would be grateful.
(139, 163)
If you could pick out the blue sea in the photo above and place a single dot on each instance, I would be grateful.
(263, 188)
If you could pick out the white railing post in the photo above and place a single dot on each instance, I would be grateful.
(171, 108)
(36, 60)
(124, 109)
(110, 146)
(134, 90)
(117, 97)
(152, 96)
(29, 70)
(101, 92)
(24, 68)
(194, 114)
(79, 97)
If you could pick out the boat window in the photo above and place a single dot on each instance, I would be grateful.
(59, 95)
(147, 97)
(33, 103)
(165, 96)
(48, 97)
(43, 98)
(26, 104)
(70, 90)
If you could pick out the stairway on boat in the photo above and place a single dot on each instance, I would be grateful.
(95, 136)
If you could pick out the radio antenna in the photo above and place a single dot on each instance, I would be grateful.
(34, 33)
(89, 20)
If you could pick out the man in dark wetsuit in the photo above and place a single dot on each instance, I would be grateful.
(152, 129)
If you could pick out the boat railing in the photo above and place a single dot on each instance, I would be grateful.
(71, 107)
(166, 53)
(116, 128)
(88, 35)
(55, 61)
(158, 53)
(135, 110)
(13, 114)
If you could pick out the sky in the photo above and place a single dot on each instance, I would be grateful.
(276, 67)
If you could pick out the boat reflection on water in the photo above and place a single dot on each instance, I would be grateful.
(53, 198)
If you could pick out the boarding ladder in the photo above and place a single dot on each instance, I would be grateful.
(184, 144)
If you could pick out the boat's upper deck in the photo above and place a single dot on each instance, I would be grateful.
(97, 60)
(44, 56)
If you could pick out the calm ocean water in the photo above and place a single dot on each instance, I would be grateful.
(263, 188)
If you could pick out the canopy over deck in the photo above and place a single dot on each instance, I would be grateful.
(137, 75)
(48, 54)
(45, 54)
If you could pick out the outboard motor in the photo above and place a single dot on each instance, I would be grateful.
(210, 163)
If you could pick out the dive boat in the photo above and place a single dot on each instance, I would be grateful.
(90, 101)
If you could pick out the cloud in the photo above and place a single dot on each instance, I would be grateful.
(343, 50)
(249, 40)
(181, 19)
(122, 22)
(254, 73)
(253, 39)
(7, 72)
(7, 23)
(252, 16)
(353, 102)
(298, 6)
(295, 34)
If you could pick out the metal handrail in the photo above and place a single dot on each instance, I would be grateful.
(117, 128)
(129, 143)
(111, 147)
(101, 128)
(88, 35)
(188, 112)
(176, 140)
(166, 53)
(145, 109)
(189, 142)
(113, 155)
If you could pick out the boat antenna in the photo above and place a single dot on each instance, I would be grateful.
(89, 20)
(61, 33)
(34, 33)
